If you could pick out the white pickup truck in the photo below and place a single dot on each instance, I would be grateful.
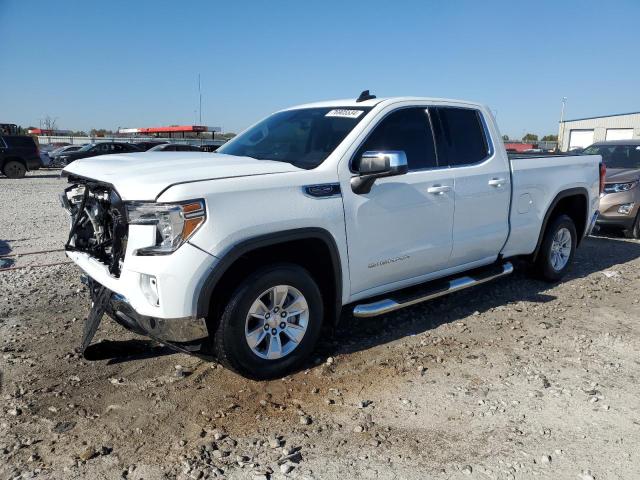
(372, 204)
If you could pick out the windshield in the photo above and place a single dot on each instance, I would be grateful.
(303, 137)
(88, 146)
(162, 146)
(617, 156)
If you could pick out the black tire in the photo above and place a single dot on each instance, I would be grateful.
(230, 345)
(543, 266)
(634, 231)
(14, 169)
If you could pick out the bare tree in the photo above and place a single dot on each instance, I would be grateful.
(50, 123)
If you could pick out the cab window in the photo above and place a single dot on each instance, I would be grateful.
(409, 130)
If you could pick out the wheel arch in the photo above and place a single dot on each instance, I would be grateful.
(573, 202)
(308, 247)
(13, 158)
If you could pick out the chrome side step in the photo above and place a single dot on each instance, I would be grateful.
(432, 290)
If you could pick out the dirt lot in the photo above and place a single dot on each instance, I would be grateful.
(513, 379)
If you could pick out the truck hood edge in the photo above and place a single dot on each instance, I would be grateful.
(144, 176)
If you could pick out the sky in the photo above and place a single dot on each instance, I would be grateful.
(136, 63)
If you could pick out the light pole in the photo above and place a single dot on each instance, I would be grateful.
(200, 99)
(561, 137)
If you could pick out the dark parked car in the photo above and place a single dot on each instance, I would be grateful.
(144, 146)
(18, 154)
(175, 147)
(95, 149)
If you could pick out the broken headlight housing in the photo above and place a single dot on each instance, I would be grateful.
(175, 223)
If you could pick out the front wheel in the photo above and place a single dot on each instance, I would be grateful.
(271, 324)
(557, 249)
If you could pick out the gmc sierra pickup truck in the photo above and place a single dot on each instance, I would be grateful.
(368, 204)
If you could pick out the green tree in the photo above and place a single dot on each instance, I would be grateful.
(505, 138)
(530, 137)
(550, 138)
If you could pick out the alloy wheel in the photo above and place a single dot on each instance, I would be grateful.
(276, 322)
(561, 249)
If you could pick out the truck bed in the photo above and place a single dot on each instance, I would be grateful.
(536, 182)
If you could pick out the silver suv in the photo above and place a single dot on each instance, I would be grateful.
(620, 201)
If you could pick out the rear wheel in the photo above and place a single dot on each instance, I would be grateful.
(557, 249)
(634, 231)
(14, 169)
(271, 324)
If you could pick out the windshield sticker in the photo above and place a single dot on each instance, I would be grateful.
(341, 112)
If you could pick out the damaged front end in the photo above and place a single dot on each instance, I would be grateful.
(100, 226)
(98, 222)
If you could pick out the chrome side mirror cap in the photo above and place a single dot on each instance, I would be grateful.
(377, 164)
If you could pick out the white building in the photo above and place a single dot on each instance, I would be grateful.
(582, 132)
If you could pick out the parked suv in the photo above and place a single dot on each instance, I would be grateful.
(18, 154)
(620, 201)
(367, 204)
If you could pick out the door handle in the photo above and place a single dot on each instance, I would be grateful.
(438, 189)
(496, 182)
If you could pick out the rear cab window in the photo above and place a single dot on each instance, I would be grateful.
(462, 139)
(21, 142)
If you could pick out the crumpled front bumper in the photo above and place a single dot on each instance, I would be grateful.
(187, 333)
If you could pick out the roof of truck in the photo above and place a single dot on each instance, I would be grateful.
(352, 102)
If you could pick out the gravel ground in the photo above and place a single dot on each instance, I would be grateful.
(31, 219)
(513, 379)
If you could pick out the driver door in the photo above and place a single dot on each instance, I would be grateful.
(402, 229)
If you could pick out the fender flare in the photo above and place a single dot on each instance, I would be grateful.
(570, 192)
(267, 240)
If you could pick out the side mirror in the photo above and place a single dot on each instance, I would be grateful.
(374, 165)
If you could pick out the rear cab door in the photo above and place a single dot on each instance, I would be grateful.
(482, 182)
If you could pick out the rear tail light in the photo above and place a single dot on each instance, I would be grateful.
(603, 174)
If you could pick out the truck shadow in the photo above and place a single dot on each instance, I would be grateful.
(120, 351)
(357, 334)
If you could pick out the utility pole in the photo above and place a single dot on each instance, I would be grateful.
(200, 98)
(561, 136)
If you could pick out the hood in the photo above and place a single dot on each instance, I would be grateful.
(143, 176)
(622, 175)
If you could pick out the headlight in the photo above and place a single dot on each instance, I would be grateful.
(174, 222)
(619, 187)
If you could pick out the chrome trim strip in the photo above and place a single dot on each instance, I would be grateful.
(389, 305)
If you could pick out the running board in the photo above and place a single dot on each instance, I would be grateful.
(431, 290)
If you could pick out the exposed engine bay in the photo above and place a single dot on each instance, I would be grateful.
(98, 222)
